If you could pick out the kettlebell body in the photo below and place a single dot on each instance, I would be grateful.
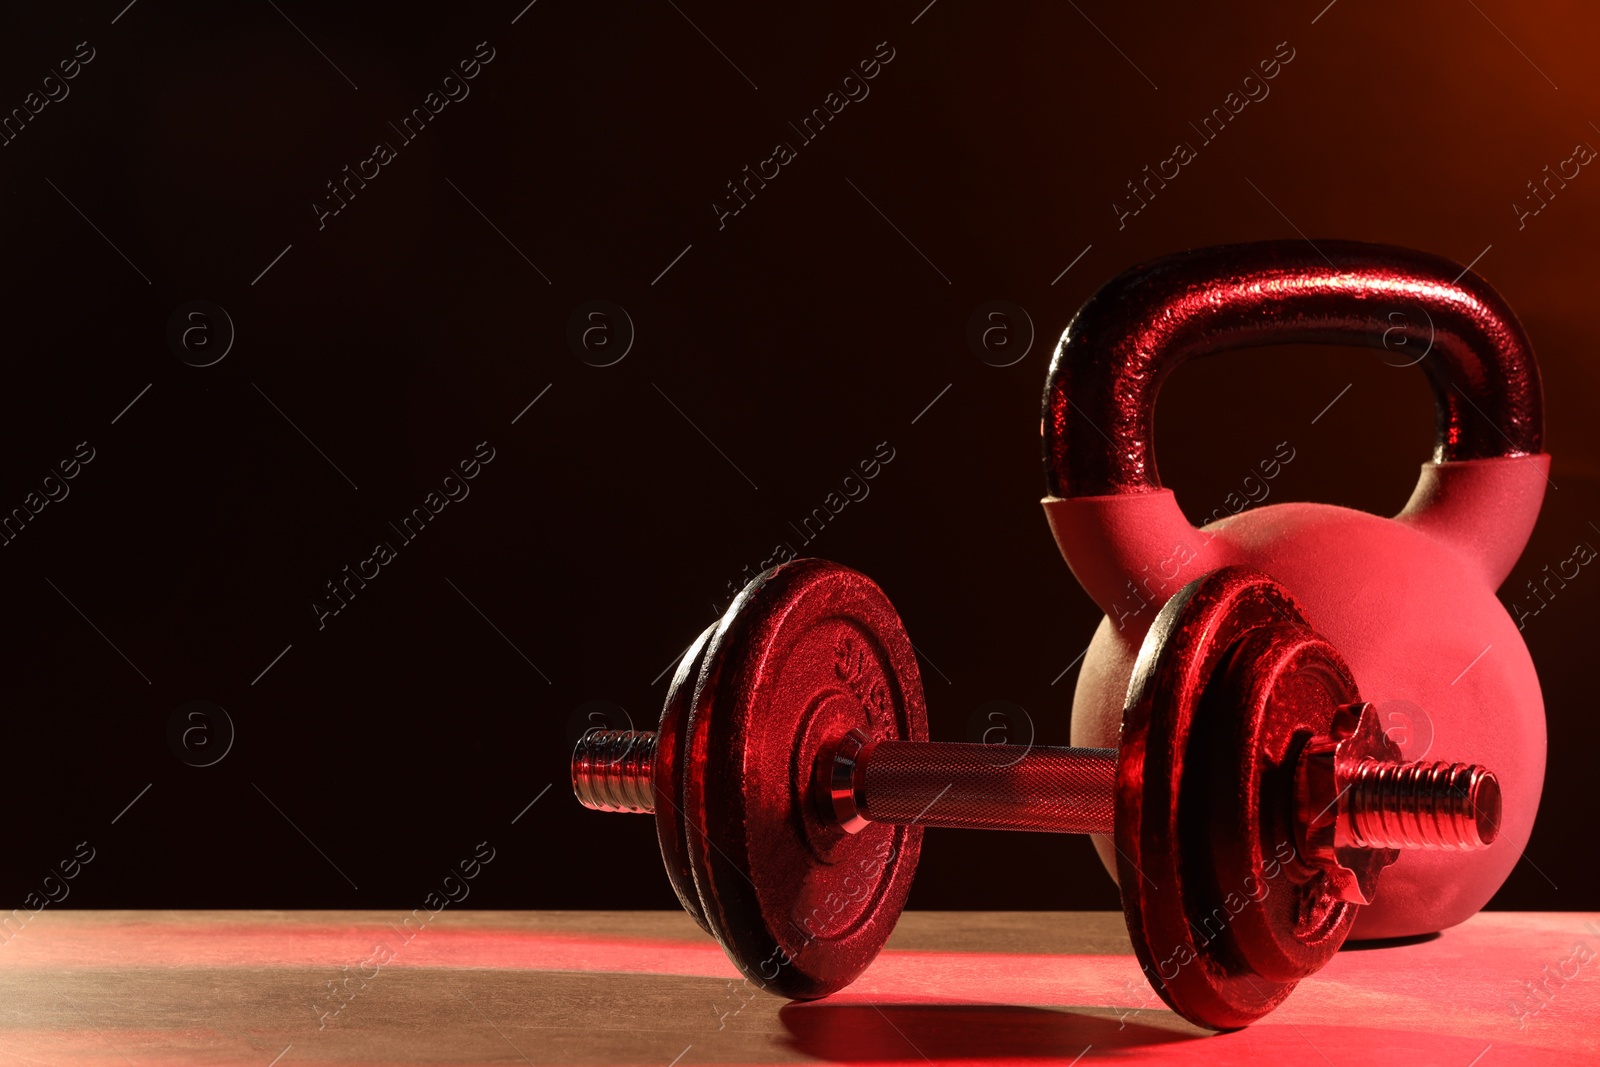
(1409, 601)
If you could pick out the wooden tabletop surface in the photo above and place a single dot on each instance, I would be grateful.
(648, 988)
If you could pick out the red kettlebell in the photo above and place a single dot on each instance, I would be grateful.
(1409, 601)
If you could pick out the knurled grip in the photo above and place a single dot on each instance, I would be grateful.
(987, 787)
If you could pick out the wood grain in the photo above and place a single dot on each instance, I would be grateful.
(649, 988)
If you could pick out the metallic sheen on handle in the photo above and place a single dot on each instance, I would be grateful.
(1142, 324)
(973, 787)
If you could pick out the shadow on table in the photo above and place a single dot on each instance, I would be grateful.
(1387, 942)
(877, 1032)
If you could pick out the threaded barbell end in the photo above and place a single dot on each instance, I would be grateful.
(612, 770)
(1434, 805)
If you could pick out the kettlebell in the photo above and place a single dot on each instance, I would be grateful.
(1410, 600)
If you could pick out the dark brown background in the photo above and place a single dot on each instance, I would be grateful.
(601, 538)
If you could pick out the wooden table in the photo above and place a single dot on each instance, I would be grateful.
(648, 988)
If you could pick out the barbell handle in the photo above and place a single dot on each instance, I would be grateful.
(969, 786)
(858, 781)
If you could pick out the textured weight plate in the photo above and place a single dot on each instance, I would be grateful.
(1224, 912)
(808, 651)
(668, 785)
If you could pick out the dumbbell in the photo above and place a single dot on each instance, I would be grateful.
(1253, 801)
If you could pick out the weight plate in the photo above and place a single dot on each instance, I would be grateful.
(1224, 912)
(808, 651)
(670, 829)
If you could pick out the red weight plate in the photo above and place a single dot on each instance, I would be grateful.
(809, 651)
(668, 784)
(1224, 912)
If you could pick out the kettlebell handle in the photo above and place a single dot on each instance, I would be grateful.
(1099, 402)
